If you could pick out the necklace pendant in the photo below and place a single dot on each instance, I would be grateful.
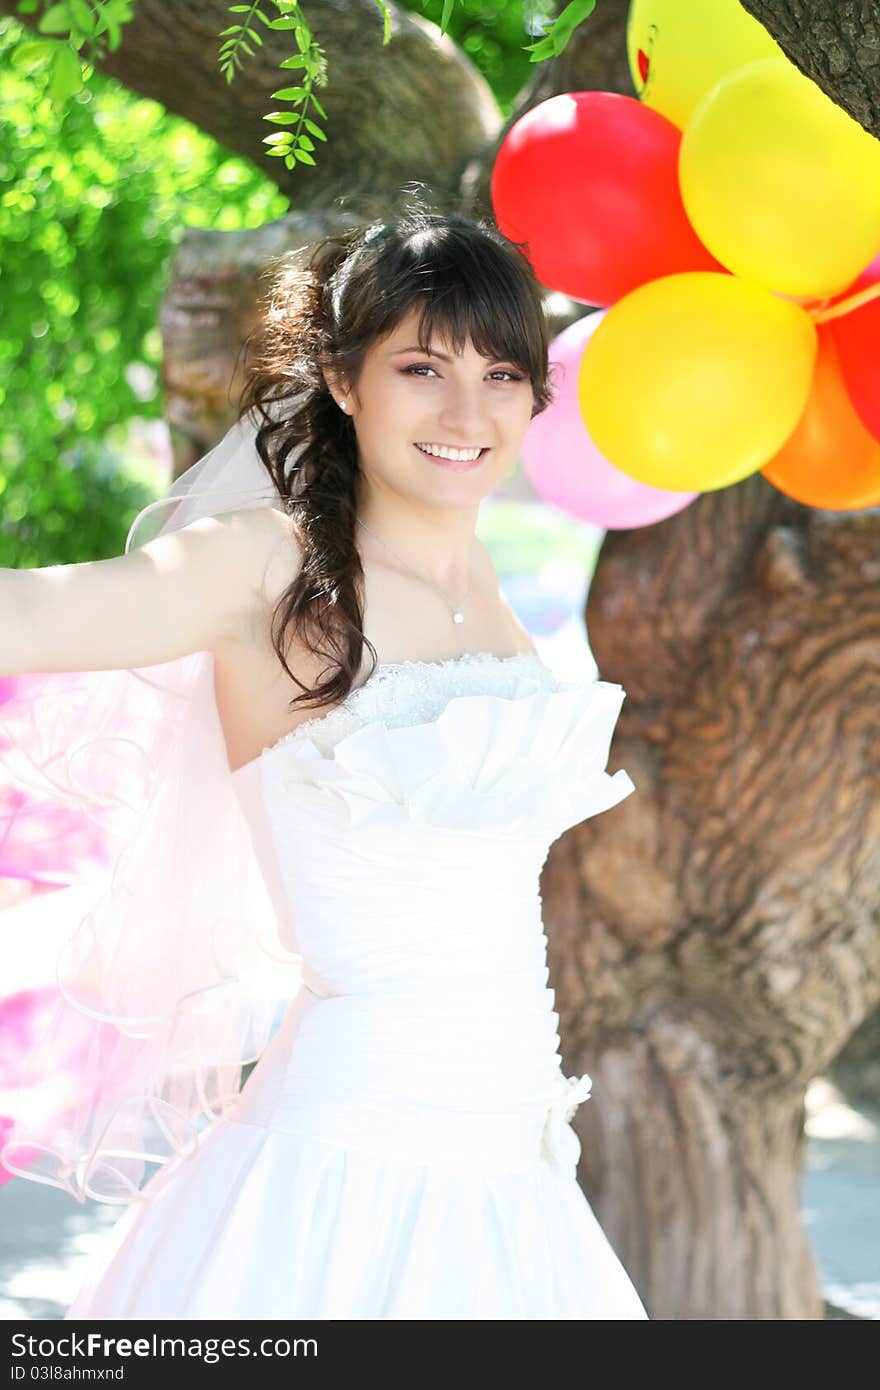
(458, 617)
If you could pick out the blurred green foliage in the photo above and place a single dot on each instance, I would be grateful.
(91, 207)
(493, 34)
(92, 204)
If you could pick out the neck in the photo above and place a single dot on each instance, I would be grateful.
(437, 543)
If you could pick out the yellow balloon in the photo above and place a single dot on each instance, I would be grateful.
(694, 381)
(679, 49)
(780, 184)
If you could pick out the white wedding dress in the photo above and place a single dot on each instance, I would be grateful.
(403, 1148)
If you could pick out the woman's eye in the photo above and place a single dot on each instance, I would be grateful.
(423, 367)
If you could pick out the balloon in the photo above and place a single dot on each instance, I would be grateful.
(562, 462)
(830, 460)
(590, 181)
(782, 185)
(679, 49)
(857, 337)
(696, 380)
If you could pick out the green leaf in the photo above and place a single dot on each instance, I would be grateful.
(66, 74)
(288, 93)
(282, 23)
(448, 6)
(315, 129)
(304, 142)
(56, 20)
(83, 16)
(24, 55)
(555, 40)
(304, 158)
(318, 107)
(233, 29)
(114, 29)
(282, 117)
(239, 9)
(247, 49)
(278, 154)
(575, 13)
(296, 62)
(544, 48)
(278, 137)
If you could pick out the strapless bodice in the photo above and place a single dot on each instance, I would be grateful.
(402, 837)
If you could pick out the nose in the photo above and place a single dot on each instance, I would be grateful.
(464, 415)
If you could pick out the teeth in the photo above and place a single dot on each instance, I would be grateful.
(456, 455)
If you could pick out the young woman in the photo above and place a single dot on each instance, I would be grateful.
(403, 1147)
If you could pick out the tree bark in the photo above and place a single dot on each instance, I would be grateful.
(714, 940)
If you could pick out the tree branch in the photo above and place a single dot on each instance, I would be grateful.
(416, 108)
(836, 43)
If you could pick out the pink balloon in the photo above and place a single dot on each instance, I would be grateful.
(562, 462)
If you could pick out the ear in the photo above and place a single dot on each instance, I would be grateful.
(333, 383)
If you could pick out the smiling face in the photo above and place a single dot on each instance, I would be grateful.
(459, 401)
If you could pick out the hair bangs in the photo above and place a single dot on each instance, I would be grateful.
(466, 289)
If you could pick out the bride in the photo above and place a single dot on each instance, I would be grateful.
(331, 764)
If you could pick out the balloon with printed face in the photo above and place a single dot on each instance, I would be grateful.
(562, 461)
(780, 183)
(857, 337)
(679, 49)
(830, 460)
(696, 380)
(589, 182)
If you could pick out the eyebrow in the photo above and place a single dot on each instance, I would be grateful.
(414, 347)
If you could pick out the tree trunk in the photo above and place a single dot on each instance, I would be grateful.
(697, 1179)
(714, 939)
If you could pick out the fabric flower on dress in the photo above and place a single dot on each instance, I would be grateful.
(560, 1145)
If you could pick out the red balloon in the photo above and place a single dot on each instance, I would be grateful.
(589, 181)
(857, 338)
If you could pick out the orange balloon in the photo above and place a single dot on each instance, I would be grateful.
(830, 460)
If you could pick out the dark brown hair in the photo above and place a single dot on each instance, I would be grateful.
(471, 282)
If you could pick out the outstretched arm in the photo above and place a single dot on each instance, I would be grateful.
(189, 590)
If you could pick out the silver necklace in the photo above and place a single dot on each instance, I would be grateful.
(457, 615)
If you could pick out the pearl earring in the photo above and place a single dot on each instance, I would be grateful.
(342, 405)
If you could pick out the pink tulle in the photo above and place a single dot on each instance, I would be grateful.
(42, 841)
(142, 986)
(165, 953)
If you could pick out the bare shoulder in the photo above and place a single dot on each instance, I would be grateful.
(268, 548)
